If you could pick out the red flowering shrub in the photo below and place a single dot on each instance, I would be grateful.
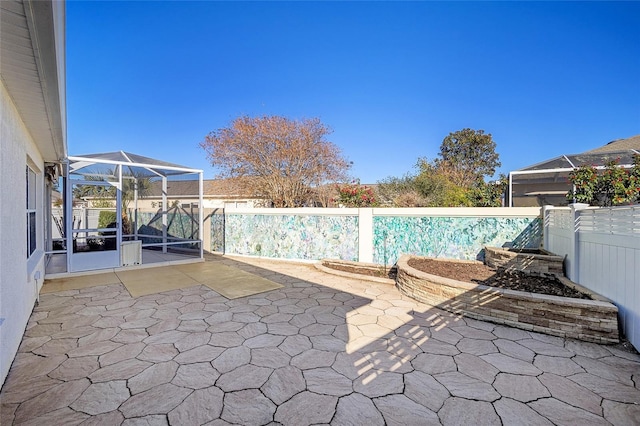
(356, 195)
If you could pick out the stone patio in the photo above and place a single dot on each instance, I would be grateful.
(323, 349)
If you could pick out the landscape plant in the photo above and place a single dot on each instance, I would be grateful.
(106, 218)
(470, 155)
(489, 194)
(400, 192)
(439, 184)
(613, 185)
(456, 178)
(356, 195)
(585, 185)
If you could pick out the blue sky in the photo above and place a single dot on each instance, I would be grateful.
(391, 79)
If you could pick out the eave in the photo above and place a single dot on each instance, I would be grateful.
(32, 68)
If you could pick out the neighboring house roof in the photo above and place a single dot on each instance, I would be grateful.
(619, 145)
(212, 188)
(32, 38)
(621, 150)
(550, 177)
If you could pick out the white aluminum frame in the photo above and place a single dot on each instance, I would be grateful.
(153, 169)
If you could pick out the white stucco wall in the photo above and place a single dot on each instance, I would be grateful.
(18, 284)
(208, 203)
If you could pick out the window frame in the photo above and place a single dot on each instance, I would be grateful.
(31, 210)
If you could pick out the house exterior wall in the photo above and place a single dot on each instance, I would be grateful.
(545, 194)
(20, 278)
(209, 202)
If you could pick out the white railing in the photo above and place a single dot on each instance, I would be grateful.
(602, 249)
(613, 221)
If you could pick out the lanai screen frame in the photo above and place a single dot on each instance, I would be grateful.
(155, 168)
(596, 159)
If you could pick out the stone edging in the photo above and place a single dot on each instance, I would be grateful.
(321, 267)
(530, 263)
(588, 320)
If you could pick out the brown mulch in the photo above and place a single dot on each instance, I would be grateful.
(482, 274)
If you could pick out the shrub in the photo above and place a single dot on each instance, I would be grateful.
(356, 195)
(585, 183)
(613, 186)
(106, 218)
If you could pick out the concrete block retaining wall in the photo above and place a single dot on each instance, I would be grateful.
(535, 262)
(588, 320)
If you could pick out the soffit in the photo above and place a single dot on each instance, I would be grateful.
(29, 66)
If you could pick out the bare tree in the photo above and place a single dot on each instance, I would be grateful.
(281, 159)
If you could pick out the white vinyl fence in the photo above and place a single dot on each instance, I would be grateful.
(602, 249)
(82, 218)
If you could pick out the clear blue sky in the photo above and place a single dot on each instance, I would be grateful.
(391, 79)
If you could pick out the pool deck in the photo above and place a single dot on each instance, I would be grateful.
(323, 349)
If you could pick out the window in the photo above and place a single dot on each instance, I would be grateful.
(31, 211)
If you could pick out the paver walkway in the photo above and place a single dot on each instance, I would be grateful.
(321, 350)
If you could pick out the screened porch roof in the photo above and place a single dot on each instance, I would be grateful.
(133, 165)
(596, 159)
(556, 170)
(551, 177)
(620, 150)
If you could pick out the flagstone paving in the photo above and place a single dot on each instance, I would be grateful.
(321, 350)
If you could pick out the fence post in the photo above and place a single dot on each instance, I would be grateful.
(545, 226)
(572, 256)
(207, 222)
(365, 235)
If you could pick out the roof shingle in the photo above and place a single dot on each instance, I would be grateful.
(618, 145)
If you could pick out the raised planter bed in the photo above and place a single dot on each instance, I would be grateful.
(530, 261)
(358, 270)
(593, 320)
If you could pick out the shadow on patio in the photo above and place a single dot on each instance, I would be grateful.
(320, 349)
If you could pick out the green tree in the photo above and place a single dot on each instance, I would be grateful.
(470, 154)
(454, 179)
(489, 194)
(437, 184)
